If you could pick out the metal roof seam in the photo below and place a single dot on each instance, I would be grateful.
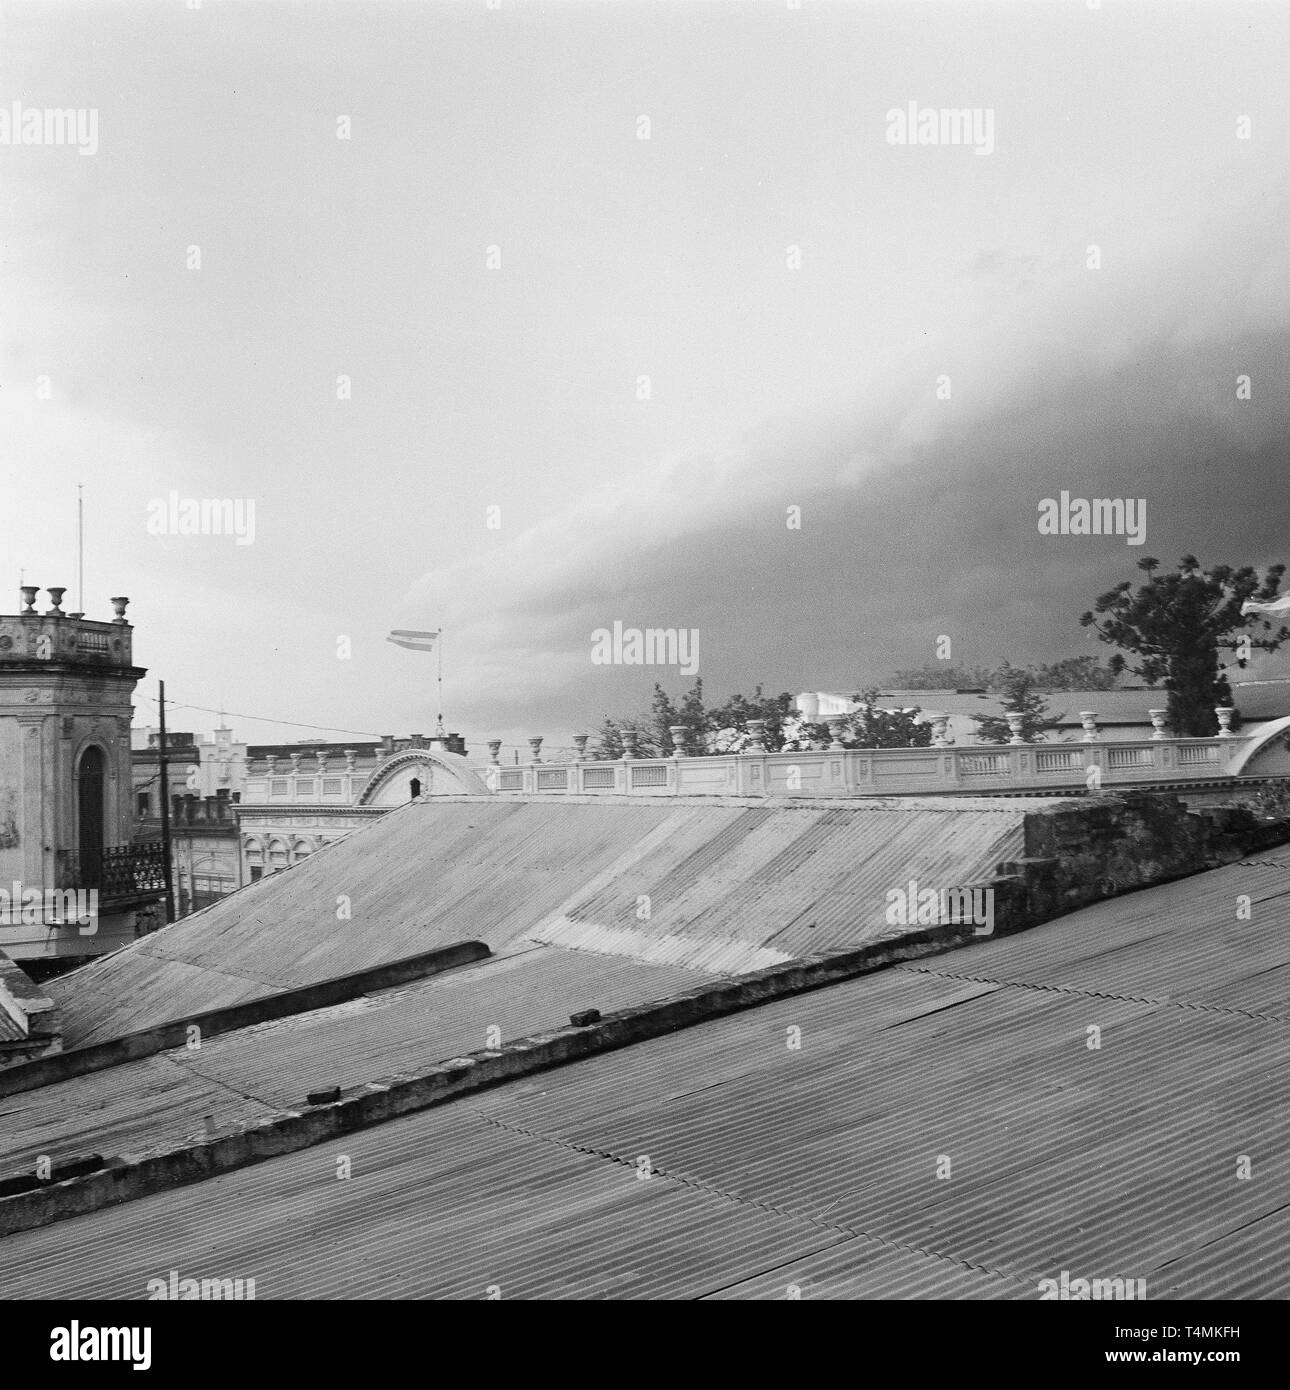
(712, 1189)
(1170, 1000)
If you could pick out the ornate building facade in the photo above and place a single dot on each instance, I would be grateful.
(66, 789)
(300, 797)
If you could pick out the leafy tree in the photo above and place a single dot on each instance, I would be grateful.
(665, 714)
(941, 678)
(1176, 624)
(692, 714)
(718, 730)
(1072, 673)
(1016, 687)
(1078, 673)
(739, 709)
(609, 739)
(724, 728)
(662, 716)
(867, 726)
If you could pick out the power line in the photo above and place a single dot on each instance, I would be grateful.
(319, 728)
(265, 719)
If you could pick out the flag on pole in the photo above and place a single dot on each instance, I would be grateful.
(1278, 605)
(414, 641)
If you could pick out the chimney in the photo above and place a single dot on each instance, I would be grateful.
(387, 745)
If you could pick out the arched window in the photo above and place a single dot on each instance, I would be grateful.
(89, 801)
(416, 787)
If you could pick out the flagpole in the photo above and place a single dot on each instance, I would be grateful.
(439, 722)
(80, 547)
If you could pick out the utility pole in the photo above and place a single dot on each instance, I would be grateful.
(165, 808)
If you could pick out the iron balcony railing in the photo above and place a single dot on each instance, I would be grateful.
(117, 871)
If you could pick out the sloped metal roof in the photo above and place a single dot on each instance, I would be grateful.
(163, 1100)
(768, 888)
(725, 879)
(816, 1167)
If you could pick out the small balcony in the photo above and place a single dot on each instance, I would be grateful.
(122, 874)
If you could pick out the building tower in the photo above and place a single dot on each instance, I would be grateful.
(65, 785)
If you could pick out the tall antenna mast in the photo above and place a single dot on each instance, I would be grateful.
(80, 547)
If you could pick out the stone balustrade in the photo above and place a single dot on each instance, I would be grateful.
(1016, 766)
(324, 784)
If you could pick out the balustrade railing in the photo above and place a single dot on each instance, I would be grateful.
(1130, 757)
(982, 764)
(116, 871)
(1059, 760)
(881, 771)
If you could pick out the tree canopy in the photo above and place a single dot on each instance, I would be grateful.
(1176, 624)
(1071, 673)
(1016, 687)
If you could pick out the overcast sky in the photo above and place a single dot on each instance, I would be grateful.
(772, 384)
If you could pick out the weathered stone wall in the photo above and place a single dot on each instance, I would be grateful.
(1100, 846)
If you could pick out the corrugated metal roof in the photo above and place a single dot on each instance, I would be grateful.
(771, 887)
(135, 1109)
(815, 1167)
(724, 879)
(163, 1100)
